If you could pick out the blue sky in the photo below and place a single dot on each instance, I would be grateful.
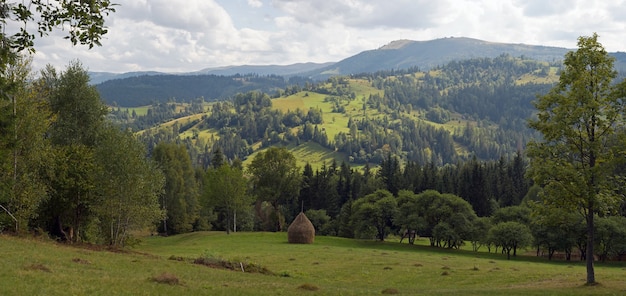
(190, 35)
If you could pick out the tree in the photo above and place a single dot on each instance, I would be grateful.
(478, 234)
(611, 236)
(128, 186)
(408, 218)
(320, 220)
(226, 188)
(83, 20)
(24, 151)
(179, 199)
(558, 230)
(79, 117)
(510, 236)
(432, 208)
(519, 214)
(375, 211)
(80, 111)
(276, 179)
(579, 119)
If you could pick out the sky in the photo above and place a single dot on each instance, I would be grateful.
(190, 35)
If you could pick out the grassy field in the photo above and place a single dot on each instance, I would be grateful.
(330, 266)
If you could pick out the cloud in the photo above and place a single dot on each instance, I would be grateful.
(255, 3)
(539, 8)
(363, 14)
(188, 35)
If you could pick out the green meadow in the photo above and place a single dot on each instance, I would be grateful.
(330, 266)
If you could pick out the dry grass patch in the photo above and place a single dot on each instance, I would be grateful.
(81, 261)
(176, 258)
(308, 287)
(232, 265)
(167, 278)
(390, 291)
(38, 266)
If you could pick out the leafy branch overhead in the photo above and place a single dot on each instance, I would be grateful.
(83, 20)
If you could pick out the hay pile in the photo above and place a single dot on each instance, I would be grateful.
(301, 230)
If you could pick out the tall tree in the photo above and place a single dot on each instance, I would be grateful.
(79, 118)
(82, 20)
(179, 199)
(226, 189)
(129, 186)
(25, 150)
(375, 213)
(510, 236)
(276, 179)
(579, 119)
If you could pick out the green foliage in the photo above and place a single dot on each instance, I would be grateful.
(320, 221)
(226, 190)
(24, 152)
(478, 234)
(179, 199)
(556, 229)
(84, 21)
(579, 120)
(79, 117)
(510, 236)
(519, 214)
(427, 210)
(276, 179)
(129, 187)
(79, 111)
(376, 212)
(610, 237)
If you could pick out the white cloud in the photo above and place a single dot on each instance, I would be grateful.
(177, 35)
(255, 3)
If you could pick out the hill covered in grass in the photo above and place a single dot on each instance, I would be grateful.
(465, 109)
(330, 266)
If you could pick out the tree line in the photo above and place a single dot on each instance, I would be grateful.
(66, 170)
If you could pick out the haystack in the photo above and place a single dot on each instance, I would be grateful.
(301, 230)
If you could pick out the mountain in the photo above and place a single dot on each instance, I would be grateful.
(403, 54)
(397, 55)
(99, 77)
(286, 70)
(281, 70)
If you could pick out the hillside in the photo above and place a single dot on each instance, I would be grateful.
(472, 108)
(147, 89)
(332, 266)
(142, 88)
(404, 54)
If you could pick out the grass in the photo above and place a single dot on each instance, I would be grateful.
(331, 266)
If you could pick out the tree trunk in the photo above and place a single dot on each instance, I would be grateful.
(591, 278)
(227, 221)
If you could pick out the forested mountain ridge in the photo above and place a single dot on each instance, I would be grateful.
(471, 108)
(136, 89)
(282, 70)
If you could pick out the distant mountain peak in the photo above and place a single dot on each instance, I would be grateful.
(397, 44)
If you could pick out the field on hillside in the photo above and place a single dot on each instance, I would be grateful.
(330, 266)
(309, 152)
